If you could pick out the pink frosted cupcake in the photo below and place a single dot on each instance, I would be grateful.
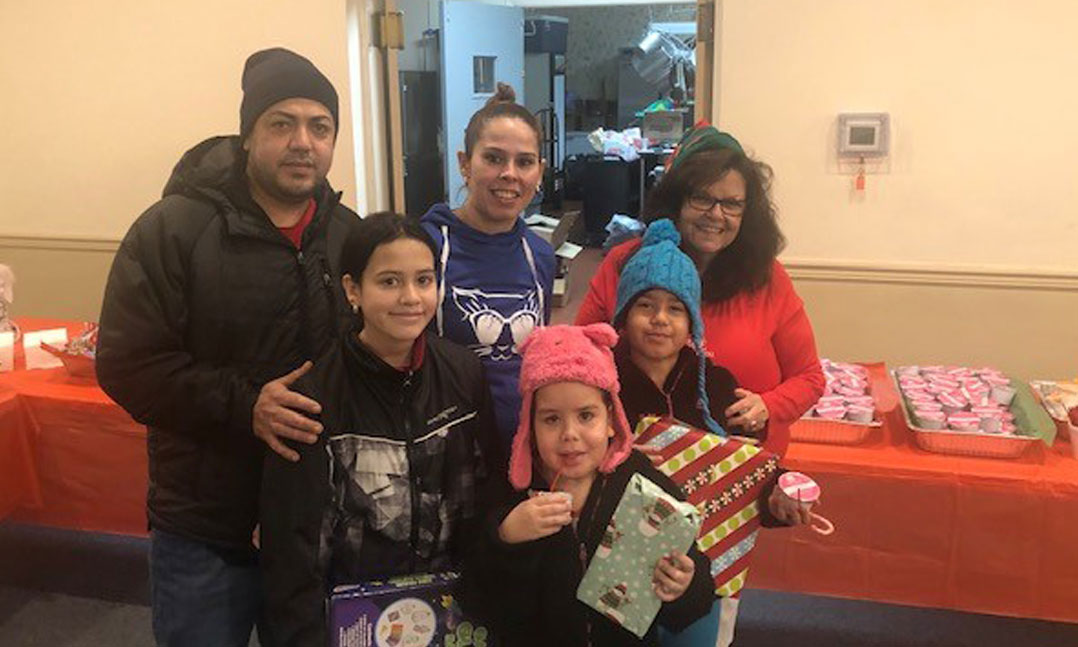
(952, 402)
(849, 392)
(922, 397)
(935, 388)
(1003, 394)
(930, 419)
(977, 398)
(964, 421)
(831, 411)
(830, 400)
(909, 383)
(991, 418)
(853, 382)
(862, 400)
(945, 381)
(859, 413)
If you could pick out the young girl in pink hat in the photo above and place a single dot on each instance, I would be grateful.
(571, 460)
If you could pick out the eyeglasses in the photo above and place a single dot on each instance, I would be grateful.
(729, 206)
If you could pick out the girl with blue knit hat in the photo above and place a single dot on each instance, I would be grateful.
(657, 312)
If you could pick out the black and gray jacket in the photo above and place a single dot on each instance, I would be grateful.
(205, 303)
(392, 486)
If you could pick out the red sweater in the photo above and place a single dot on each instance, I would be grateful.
(764, 338)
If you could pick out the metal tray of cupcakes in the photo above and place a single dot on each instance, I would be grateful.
(968, 412)
(846, 412)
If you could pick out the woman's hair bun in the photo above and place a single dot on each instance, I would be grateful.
(504, 94)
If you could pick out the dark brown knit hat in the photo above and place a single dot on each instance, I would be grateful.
(276, 74)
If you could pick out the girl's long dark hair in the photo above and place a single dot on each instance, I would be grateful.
(373, 231)
(745, 264)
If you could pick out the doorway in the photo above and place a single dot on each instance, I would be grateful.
(578, 67)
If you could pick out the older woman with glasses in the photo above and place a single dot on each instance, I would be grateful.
(756, 326)
(754, 323)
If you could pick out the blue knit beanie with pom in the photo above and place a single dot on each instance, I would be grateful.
(660, 264)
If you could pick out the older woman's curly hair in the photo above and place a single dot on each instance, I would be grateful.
(745, 264)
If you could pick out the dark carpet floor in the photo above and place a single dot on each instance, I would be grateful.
(67, 589)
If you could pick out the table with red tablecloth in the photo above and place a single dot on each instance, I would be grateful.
(913, 527)
(19, 484)
(83, 459)
(975, 534)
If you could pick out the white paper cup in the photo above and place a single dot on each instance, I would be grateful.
(561, 494)
(1003, 394)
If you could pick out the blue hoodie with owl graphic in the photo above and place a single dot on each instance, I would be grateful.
(493, 290)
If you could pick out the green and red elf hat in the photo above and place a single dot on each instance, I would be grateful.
(701, 137)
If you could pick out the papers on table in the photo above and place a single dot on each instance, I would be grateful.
(7, 351)
(37, 357)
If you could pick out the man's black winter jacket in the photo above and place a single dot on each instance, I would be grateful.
(206, 302)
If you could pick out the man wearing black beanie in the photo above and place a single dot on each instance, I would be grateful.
(219, 296)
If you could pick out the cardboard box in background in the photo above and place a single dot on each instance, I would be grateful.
(409, 611)
(556, 232)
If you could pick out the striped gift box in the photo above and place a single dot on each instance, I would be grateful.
(724, 479)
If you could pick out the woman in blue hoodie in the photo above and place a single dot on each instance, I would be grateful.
(494, 274)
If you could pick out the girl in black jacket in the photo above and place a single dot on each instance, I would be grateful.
(535, 547)
(392, 484)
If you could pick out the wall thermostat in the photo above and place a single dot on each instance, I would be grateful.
(863, 134)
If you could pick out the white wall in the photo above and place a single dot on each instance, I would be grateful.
(982, 102)
(102, 98)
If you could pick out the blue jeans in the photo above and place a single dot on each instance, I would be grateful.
(202, 595)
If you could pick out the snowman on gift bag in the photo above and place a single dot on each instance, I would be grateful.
(610, 537)
(615, 598)
(655, 515)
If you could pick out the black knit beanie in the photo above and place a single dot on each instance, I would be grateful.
(276, 74)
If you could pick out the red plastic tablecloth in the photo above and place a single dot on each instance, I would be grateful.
(912, 527)
(994, 536)
(88, 454)
(18, 475)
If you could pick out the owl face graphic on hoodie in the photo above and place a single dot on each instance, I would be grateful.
(493, 291)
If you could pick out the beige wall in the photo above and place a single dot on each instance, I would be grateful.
(103, 97)
(981, 102)
(101, 100)
(962, 247)
(946, 257)
(941, 318)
